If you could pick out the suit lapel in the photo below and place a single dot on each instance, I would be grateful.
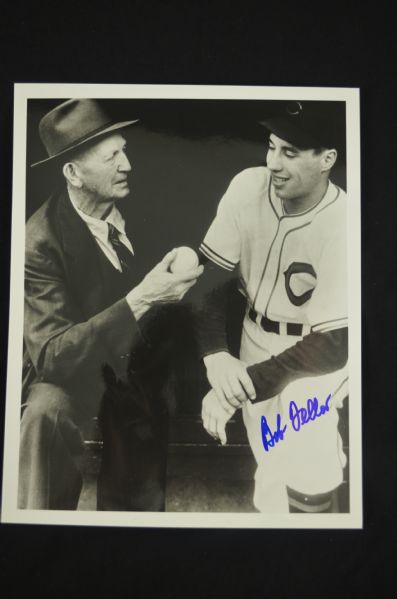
(81, 258)
(135, 234)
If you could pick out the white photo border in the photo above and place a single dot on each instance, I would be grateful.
(9, 512)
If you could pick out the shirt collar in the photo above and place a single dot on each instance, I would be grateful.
(329, 196)
(98, 226)
(114, 218)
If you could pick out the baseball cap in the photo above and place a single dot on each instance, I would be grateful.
(309, 124)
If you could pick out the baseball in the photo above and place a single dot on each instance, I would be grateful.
(185, 259)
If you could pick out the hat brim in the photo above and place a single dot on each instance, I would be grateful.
(287, 131)
(98, 134)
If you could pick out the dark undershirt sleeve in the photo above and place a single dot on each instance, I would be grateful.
(212, 292)
(316, 354)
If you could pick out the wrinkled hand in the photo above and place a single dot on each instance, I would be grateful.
(229, 379)
(215, 417)
(161, 286)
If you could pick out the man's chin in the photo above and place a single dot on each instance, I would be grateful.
(121, 194)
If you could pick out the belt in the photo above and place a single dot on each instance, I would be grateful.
(272, 326)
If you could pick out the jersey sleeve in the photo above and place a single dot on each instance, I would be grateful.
(328, 305)
(222, 243)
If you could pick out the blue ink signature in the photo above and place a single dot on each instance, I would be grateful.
(298, 417)
(269, 439)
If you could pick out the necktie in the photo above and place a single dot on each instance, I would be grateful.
(123, 253)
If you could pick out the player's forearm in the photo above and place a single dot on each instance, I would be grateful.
(211, 294)
(316, 354)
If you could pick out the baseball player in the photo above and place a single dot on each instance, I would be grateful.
(283, 229)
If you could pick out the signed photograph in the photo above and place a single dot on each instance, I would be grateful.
(185, 308)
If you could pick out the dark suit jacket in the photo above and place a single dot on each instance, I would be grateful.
(70, 330)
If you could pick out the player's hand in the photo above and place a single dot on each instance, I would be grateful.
(215, 417)
(161, 286)
(229, 379)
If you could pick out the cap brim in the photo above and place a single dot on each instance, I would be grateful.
(110, 129)
(287, 131)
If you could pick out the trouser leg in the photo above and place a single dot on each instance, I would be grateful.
(50, 442)
(134, 459)
(134, 423)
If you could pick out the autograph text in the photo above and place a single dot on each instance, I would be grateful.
(298, 417)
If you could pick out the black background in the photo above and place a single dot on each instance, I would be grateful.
(234, 43)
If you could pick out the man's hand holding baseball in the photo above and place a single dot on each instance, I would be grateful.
(161, 286)
(229, 379)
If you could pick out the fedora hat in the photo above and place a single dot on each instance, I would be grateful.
(72, 124)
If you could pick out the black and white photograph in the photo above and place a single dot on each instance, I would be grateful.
(185, 311)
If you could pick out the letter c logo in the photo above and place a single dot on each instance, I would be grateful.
(297, 268)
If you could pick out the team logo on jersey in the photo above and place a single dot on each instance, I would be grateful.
(300, 281)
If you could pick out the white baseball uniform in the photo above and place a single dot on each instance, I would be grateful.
(292, 271)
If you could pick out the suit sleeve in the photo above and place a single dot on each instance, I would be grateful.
(62, 346)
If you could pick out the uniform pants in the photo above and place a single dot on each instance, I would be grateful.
(133, 467)
(310, 461)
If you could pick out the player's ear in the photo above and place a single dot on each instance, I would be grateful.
(71, 174)
(328, 159)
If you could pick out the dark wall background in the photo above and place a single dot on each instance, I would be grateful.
(183, 155)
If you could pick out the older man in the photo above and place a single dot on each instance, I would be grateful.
(284, 228)
(89, 319)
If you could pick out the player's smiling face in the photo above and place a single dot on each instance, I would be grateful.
(296, 174)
